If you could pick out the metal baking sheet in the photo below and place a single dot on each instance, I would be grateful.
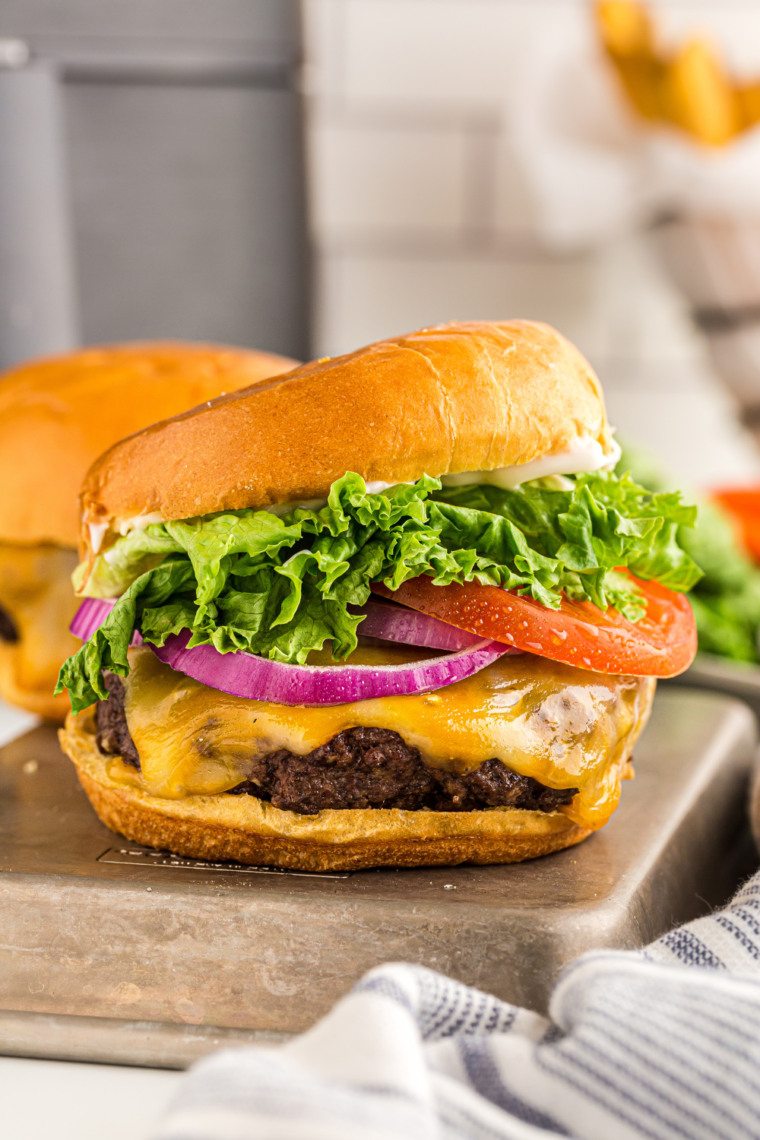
(134, 855)
(112, 952)
(737, 678)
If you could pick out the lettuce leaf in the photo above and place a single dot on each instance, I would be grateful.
(81, 674)
(281, 587)
(726, 603)
(602, 523)
(726, 600)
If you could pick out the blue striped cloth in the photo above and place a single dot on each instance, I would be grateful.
(662, 1043)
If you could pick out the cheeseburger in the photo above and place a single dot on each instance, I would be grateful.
(391, 609)
(56, 416)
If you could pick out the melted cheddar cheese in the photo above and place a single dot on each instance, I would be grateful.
(561, 725)
(36, 593)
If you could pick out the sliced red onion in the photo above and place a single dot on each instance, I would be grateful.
(246, 675)
(258, 679)
(383, 620)
(395, 623)
(91, 615)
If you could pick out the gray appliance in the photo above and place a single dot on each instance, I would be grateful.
(152, 169)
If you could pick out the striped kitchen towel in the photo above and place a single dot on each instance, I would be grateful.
(661, 1043)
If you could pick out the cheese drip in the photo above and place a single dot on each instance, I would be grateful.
(36, 593)
(563, 726)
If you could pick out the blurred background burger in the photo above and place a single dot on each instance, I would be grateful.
(56, 416)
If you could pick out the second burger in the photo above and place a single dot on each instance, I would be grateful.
(56, 416)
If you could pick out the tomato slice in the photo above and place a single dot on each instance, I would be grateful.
(743, 504)
(662, 644)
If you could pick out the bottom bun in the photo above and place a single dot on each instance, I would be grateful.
(245, 829)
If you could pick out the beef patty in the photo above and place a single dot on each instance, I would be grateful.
(358, 768)
(113, 735)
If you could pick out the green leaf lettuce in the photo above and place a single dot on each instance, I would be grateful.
(726, 600)
(281, 587)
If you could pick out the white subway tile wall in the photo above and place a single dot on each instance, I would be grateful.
(420, 213)
(386, 178)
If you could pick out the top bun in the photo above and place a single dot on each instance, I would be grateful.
(58, 414)
(458, 397)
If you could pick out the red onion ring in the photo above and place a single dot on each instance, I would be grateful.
(383, 620)
(259, 679)
(91, 615)
(395, 623)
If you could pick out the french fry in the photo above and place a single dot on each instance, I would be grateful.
(689, 88)
(749, 104)
(627, 35)
(698, 96)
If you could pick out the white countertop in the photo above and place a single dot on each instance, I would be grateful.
(13, 722)
(57, 1100)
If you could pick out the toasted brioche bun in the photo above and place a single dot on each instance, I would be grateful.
(245, 829)
(58, 414)
(459, 397)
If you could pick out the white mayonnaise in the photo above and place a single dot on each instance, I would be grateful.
(97, 533)
(139, 522)
(378, 486)
(586, 454)
(373, 488)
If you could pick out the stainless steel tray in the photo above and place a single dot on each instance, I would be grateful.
(736, 678)
(111, 952)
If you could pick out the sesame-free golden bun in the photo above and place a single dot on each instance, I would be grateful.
(56, 416)
(469, 396)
